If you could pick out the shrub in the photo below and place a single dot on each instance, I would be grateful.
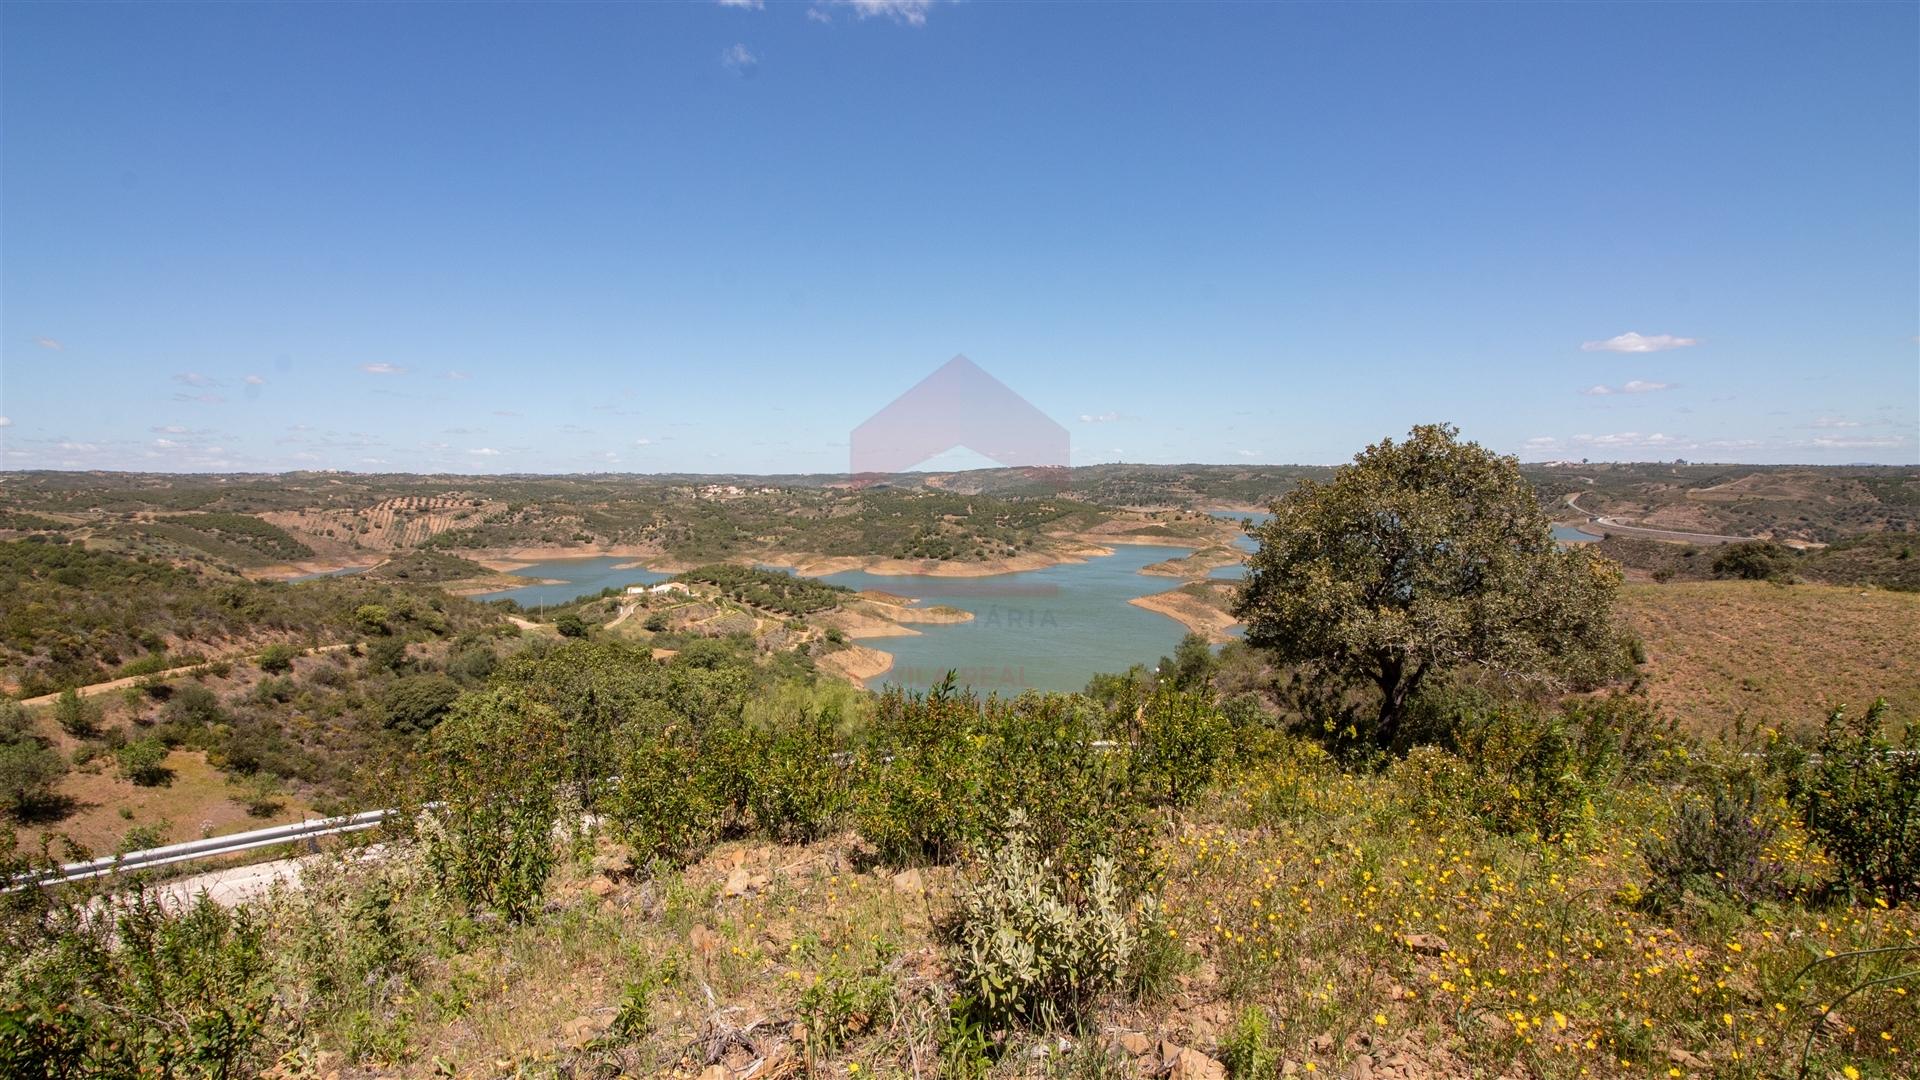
(1247, 1050)
(1716, 845)
(918, 799)
(76, 716)
(142, 990)
(30, 770)
(277, 659)
(570, 625)
(1862, 801)
(1756, 560)
(671, 801)
(495, 766)
(656, 622)
(415, 703)
(1182, 739)
(1028, 946)
(797, 788)
(372, 618)
(144, 762)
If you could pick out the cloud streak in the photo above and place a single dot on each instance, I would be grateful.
(383, 368)
(1631, 342)
(1635, 386)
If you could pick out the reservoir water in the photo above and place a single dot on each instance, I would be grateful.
(577, 577)
(1049, 629)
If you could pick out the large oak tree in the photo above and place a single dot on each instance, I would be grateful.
(1421, 557)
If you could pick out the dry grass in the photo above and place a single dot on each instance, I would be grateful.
(1719, 652)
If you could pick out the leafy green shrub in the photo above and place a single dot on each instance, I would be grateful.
(277, 659)
(798, 788)
(1862, 801)
(1247, 1050)
(671, 801)
(841, 1002)
(656, 622)
(1756, 560)
(1182, 740)
(495, 767)
(1716, 845)
(1032, 947)
(30, 770)
(918, 798)
(373, 618)
(144, 762)
(141, 989)
(570, 625)
(415, 703)
(76, 716)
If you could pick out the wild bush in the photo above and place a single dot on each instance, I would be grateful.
(1181, 741)
(671, 801)
(494, 765)
(1716, 845)
(140, 988)
(30, 770)
(76, 715)
(798, 787)
(919, 795)
(144, 762)
(1862, 802)
(1032, 946)
(277, 659)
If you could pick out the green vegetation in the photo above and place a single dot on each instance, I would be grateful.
(74, 616)
(1421, 558)
(617, 858)
(428, 568)
(769, 590)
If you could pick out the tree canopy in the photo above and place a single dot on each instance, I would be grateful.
(1421, 557)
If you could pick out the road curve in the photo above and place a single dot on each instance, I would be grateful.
(1669, 535)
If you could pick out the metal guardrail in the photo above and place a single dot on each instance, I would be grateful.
(234, 843)
(210, 847)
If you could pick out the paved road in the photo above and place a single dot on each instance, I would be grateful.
(1670, 535)
(237, 885)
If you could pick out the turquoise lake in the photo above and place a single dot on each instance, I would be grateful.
(577, 577)
(1048, 629)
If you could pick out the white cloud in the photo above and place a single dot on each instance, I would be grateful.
(457, 376)
(1836, 422)
(643, 442)
(383, 368)
(50, 343)
(1867, 442)
(165, 444)
(816, 15)
(170, 429)
(254, 380)
(740, 60)
(1099, 418)
(194, 378)
(6, 421)
(484, 451)
(1248, 453)
(911, 12)
(205, 399)
(1636, 386)
(1631, 342)
(749, 5)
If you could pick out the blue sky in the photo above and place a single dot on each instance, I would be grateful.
(716, 237)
